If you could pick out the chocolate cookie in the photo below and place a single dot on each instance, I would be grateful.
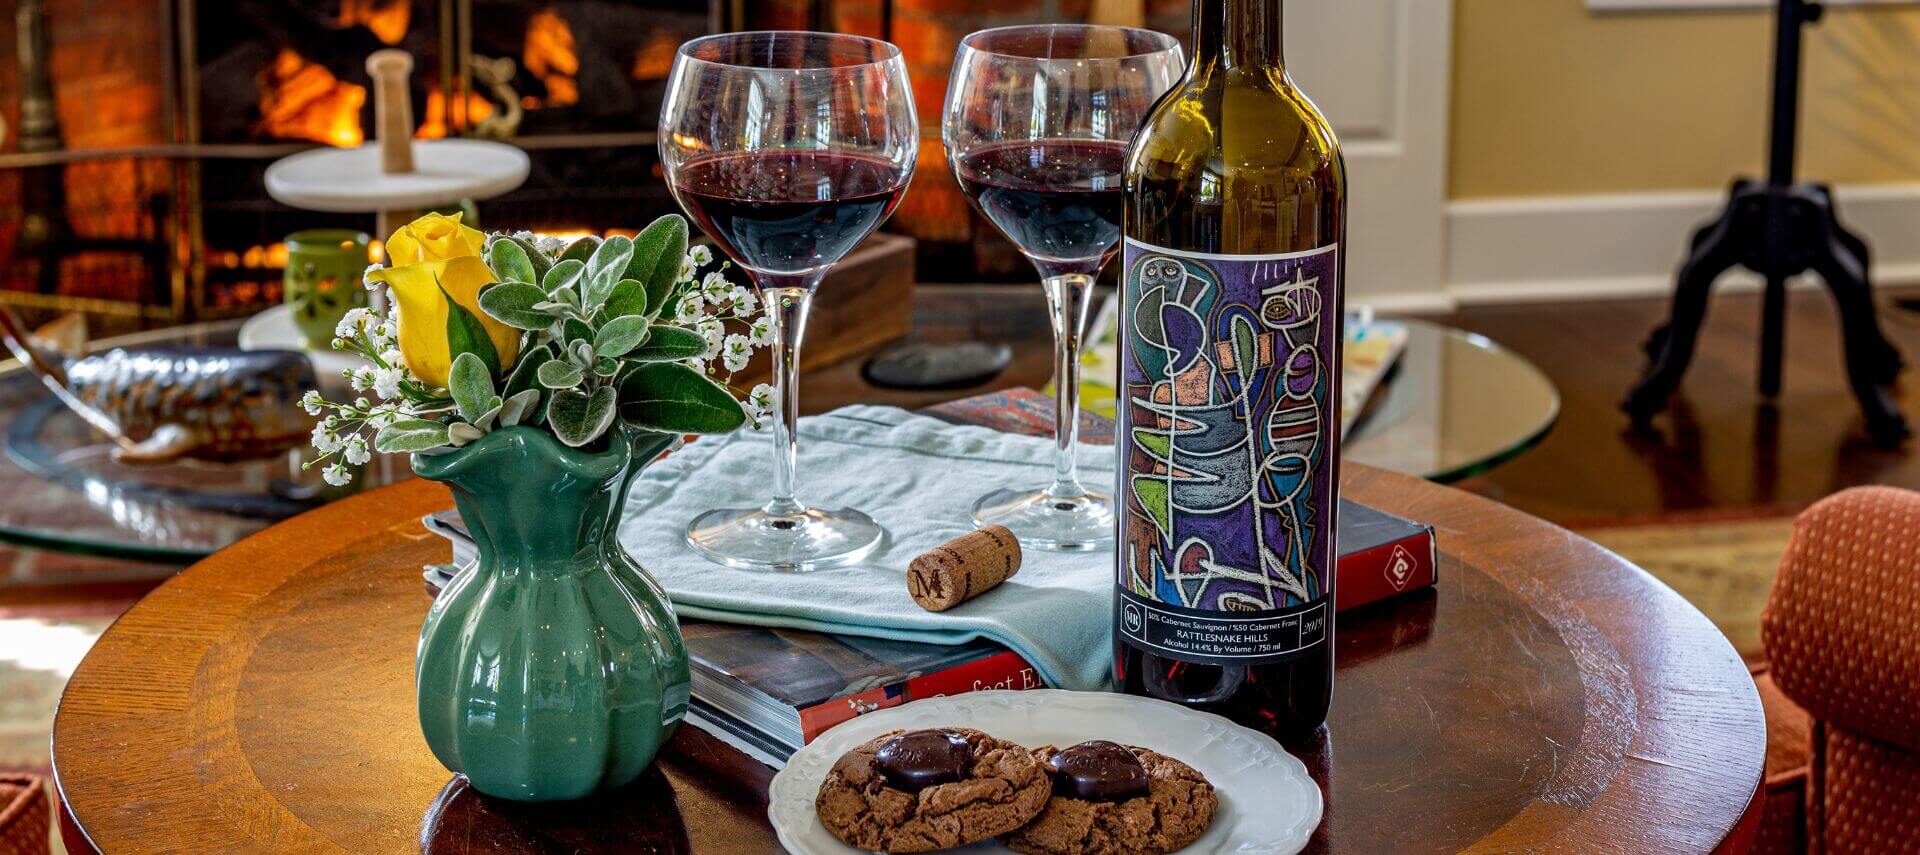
(921, 790)
(1111, 799)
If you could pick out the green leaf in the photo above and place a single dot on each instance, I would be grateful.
(620, 335)
(541, 263)
(516, 304)
(471, 386)
(461, 433)
(525, 374)
(518, 407)
(576, 331)
(560, 374)
(509, 262)
(580, 250)
(563, 275)
(670, 397)
(668, 344)
(657, 252)
(410, 435)
(577, 418)
(607, 367)
(465, 334)
(604, 270)
(629, 297)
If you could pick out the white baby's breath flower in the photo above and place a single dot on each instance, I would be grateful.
(686, 271)
(355, 320)
(761, 332)
(714, 332)
(359, 379)
(356, 452)
(687, 312)
(312, 402)
(761, 402)
(393, 357)
(700, 254)
(325, 440)
(715, 287)
(736, 350)
(388, 413)
(386, 382)
(744, 301)
(550, 245)
(337, 475)
(697, 364)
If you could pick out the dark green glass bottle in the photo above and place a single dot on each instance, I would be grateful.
(1230, 371)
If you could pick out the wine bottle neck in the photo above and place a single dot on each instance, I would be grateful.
(1238, 33)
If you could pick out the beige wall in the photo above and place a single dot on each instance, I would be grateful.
(1552, 99)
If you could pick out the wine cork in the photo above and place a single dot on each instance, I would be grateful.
(963, 568)
(392, 108)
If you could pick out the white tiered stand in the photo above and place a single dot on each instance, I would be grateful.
(392, 178)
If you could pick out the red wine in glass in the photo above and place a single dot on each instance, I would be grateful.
(786, 212)
(1057, 199)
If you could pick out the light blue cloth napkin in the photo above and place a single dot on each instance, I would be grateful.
(918, 477)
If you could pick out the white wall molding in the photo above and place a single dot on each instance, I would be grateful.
(1629, 245)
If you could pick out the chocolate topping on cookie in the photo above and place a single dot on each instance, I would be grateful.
(918, 759)
(1098, 771)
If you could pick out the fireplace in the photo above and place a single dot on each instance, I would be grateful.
(136, 148)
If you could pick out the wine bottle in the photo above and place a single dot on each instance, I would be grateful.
(1229, 429)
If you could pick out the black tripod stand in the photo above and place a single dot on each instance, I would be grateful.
(1779, 229)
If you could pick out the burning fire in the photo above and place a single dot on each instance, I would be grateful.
(303, 100)
(549, 55)
(386, 19)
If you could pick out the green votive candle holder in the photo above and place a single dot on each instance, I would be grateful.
(324, 268)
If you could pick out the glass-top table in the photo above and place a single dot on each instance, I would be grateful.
(1455, 405)
(60, 489)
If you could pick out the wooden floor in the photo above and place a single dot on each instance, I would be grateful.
(1721, 447)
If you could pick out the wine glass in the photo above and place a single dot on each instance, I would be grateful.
(788, 149)
(1038, 119)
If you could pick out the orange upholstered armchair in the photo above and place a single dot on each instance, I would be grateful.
(1842, 633)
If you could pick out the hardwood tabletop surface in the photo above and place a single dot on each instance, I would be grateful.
(1547, 696)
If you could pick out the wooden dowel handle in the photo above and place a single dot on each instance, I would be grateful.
(392, 108)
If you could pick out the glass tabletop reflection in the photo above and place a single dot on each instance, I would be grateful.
(1455, 405)
(63, 490)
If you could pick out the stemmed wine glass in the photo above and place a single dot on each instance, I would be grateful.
(788, 149)
(1038, 119)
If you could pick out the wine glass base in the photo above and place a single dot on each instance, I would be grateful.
(752, 539)
(1042, 521)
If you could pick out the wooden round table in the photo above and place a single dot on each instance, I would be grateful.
(1547, 696)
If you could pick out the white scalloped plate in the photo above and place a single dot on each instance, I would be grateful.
(1268, 804)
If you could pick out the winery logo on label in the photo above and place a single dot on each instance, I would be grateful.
(1227, 422)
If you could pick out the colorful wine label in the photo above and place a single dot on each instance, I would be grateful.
(1229, 434)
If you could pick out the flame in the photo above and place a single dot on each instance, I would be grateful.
(434, 125)
(549, 55)
(303, 100)
(654, 60)
(386, 19)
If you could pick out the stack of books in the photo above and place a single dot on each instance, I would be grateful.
(765, 692)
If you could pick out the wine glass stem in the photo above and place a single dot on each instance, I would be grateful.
(1068, 297)
(788, 307)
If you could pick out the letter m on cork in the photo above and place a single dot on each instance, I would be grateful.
(963, 568)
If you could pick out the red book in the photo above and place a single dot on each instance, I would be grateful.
(1381, 556)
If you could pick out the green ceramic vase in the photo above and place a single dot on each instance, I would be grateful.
(553, 668)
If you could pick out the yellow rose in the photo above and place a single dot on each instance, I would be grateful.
(420, 289)
(433, 237)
